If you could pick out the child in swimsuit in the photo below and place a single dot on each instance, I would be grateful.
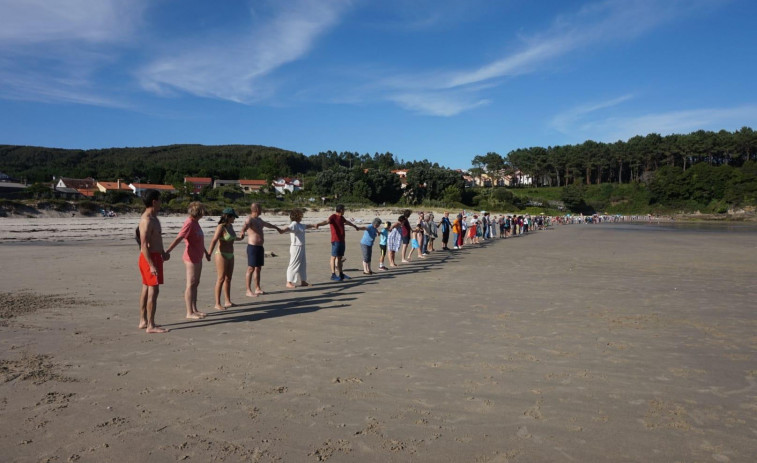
(224, 256)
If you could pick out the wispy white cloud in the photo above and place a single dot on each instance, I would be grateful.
(44, 21)
(51, 50)
(437, 103)
(604, 121)
(595, 25)
(567, 121)
(683, 121)
(38, 87)
(233, 68)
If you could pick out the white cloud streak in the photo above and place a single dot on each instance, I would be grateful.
(437, 104)
(44, 21)
(233, 68)
(50, 50)
(590, 121)
(683, 121)
(567, 121)
(594, 25)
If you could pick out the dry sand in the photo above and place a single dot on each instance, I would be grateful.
(582, 343)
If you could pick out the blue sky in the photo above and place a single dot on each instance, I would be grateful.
(439, 80)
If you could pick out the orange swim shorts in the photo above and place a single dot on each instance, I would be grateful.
(148, 278)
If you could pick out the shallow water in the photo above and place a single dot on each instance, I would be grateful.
(701, 227)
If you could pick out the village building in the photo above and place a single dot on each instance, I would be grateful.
(219, 183)
(9, 186)
(286, 184)
(118, 185)
(140, 188)
(83, 186)
(199, 183)
(402, 174)
(252, 186)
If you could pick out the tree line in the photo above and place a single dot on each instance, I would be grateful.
(170, 164)
(629, 161)
(700, 168)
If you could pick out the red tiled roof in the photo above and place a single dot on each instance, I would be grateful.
(89, 192)
(77, 183)
(154, 186)
(252, 182)
(197, 180)
(114, 185)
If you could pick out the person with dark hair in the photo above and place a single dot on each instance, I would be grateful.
(151, 258)
(224, 256)
(407, 231)
(458, 231)
(338, 245)
(446, 226)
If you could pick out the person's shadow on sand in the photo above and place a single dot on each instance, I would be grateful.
(332, 295)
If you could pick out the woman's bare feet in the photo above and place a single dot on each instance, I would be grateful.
(290, 285)
(196, 316)
(250, 294)
(218, 307)
(142, 325)
(156, 330)
(229, 304)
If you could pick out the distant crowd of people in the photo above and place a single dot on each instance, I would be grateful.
(410, 240)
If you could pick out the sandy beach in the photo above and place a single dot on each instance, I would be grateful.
(580, 343)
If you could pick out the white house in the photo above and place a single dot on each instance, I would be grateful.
(287, 184)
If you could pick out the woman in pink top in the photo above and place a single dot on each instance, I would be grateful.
(192, 234)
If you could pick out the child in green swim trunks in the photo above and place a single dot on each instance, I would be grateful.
(224, 256)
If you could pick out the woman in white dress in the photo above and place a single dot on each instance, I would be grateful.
(297, 270)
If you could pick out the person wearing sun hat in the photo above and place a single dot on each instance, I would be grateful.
(224, 256)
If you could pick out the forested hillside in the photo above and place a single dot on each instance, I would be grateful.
(708, 171)
(170, 164)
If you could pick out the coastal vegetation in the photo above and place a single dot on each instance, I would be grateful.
(709, 172)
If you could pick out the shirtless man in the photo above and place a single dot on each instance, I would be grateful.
(151, 258)
(253, 226)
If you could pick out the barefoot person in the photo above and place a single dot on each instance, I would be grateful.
(151, 257)
(191, 233)
(407, 232)
(297, 272)
(337, 222)
(446, 226)
(366, 244)
(383, 239)
(224, 256)
(253, 227)
(394, 241)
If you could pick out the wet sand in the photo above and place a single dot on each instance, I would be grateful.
(582, 343)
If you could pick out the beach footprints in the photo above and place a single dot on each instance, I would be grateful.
(328, 448)
(36, 368)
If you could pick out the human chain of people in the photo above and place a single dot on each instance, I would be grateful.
(402, 240)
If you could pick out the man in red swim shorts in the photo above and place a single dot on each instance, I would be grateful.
(151, 257)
